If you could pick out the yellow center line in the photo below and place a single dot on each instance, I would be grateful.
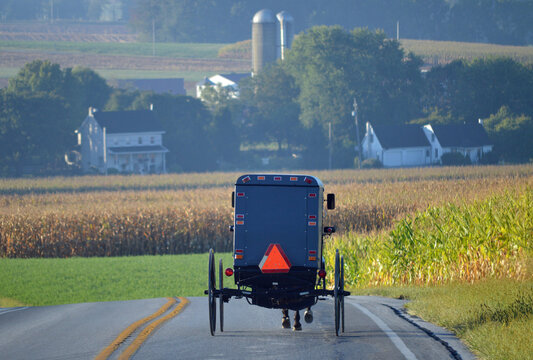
(130, 329)
(134, 346)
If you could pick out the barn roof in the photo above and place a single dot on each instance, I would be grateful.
(400, 136)
(135, 121)
(461, 135)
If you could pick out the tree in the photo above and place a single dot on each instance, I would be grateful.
(477, 89)
(33, 130)
(271, 96)
(332, 66)
(511, 135)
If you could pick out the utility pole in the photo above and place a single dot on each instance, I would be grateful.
(153, 37)
(330, 146)
(360, 147)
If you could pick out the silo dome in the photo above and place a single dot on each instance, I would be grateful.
(263, 16)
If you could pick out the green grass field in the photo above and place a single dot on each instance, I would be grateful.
(41, 282)
(174, 50)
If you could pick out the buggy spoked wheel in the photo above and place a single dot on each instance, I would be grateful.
(337, 293)
(342, 293)
(211, 293)
(220, 298)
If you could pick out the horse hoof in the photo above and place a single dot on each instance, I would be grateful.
(297, 327)
(286, 323)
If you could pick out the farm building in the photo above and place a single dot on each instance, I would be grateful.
(397, 145)
(468, 139)
(225, 81)
(415, 145)
(126, 141)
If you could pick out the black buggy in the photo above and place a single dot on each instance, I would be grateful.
(277, 249)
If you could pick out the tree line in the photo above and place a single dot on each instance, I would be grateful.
(285, 112)
(492, 21)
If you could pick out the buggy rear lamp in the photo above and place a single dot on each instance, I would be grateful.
(229, 272)
(322, 273)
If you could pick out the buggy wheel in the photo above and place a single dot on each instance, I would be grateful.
(342, 293)
(336, 292)
(221, 298)
(211, 293)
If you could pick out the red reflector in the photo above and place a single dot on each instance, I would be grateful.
(309, 181)
(277, 178)
(322, 273)
(312, 252)
(229, 271)
(239, 251)
(240, 194)
(260, 178)
(275, 260)
(312, 216)
(293, 178)
(239, 222)
(246, 179)
(311, 223)
(239, 216)
(312, 195)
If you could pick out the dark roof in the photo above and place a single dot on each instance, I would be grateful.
(171, 85)
(461, 135)
(128, 121)
(400, 136)
(236, 77)
(138, 149)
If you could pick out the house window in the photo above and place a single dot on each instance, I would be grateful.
(432, 137)
(152, 140)
(370, 138)
(115, 141)
(436, 153)
(140, 140)
(115, 158)
(127, 140)
(427, 153)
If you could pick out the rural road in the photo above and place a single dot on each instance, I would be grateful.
(374, 330)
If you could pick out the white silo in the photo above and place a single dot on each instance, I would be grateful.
(286, 31)
(263, 39)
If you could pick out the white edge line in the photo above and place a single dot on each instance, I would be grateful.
(400, 345)
(2, 311)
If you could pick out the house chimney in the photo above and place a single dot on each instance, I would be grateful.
(92, 110)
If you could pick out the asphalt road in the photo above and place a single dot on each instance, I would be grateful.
(374, 330)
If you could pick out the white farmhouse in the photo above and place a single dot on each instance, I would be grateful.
(468, 139)
(396, 145)
(127, 141)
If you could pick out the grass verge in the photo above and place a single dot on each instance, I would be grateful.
(40, 282)
(494, 317)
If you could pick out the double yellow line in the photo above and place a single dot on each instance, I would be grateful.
(134, 346)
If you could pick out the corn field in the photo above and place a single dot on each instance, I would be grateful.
(190, 213)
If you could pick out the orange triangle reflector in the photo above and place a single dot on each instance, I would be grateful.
(275, 260)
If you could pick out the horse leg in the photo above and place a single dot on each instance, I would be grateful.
(297, 326)
(285, 320)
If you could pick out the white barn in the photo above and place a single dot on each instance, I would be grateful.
(127, 141)
(226, 81)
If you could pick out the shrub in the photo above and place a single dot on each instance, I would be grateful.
(371, 164)
(455, 159)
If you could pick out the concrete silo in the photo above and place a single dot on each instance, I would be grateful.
(286, 31)
(263, 40)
